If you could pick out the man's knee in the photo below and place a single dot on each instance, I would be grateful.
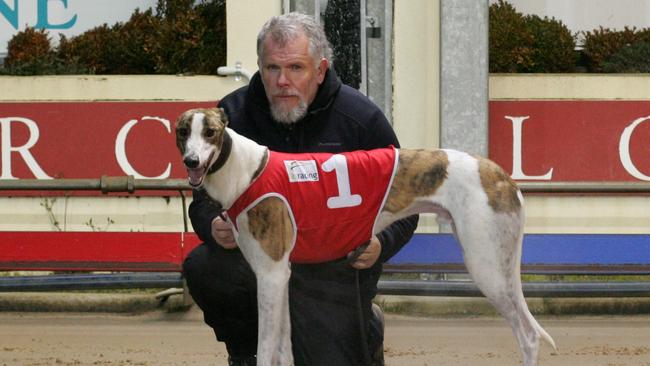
(195, 263)
(218, 274)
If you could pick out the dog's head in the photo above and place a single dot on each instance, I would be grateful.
(199, 137)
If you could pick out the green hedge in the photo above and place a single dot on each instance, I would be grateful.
(519, 43)
(528, 43)
(607, 50)
(180, 37)
(183, 37)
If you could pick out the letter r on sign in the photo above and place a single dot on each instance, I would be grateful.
(6, 148)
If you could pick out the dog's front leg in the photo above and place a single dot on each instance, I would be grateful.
(274, 330)
(266, 237)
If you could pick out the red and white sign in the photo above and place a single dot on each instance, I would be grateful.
(563, 141)
(91, 139)
(533, 140)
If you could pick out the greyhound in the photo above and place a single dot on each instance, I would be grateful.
(280, 205)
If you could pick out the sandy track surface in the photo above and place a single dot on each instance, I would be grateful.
(182, 339)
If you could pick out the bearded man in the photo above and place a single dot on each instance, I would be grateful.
(296, 103)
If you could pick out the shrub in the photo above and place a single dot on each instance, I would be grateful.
(212, 53)
(29, 52)
(553, 47)
(509, 41)
(521, 43)
(629, 59)
(179, 41)
(136, 44)
(94, 49)
(192, 38)
(602, 43)
(181, 37)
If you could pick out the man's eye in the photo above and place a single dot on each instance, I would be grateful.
(296, 67)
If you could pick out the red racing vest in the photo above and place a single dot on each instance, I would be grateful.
(333, 199)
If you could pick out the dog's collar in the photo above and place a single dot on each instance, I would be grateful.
(226, 147)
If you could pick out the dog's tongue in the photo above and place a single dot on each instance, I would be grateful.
(195, 176)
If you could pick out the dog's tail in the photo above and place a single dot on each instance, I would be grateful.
(545, 336)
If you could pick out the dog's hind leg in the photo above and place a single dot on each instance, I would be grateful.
(488, 219)
(266, 236)
(491, 245)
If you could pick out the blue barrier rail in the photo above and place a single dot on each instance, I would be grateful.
(439, 253)
(542, 253)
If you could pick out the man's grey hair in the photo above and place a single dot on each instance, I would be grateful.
(286, 27)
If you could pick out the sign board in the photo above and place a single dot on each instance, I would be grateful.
(79, 140)
(555, 141)
(68, 17)
(566, 141)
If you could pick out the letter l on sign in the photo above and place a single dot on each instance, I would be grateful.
(517, 170)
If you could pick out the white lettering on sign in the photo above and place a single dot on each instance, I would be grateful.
(624, 149)
(120, 148)
(7, 149)
(517, 170)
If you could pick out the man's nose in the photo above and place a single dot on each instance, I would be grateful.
(283, 80)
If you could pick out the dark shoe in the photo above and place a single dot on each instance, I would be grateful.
(377, 356)
(242, 361)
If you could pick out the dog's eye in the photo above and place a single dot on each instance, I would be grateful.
(210, 132)
(181, 132)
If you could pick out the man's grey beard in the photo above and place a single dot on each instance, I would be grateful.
(291, 116)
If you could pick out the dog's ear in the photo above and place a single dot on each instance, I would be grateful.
(223, 116)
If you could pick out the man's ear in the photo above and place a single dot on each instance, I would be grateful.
(323, 65)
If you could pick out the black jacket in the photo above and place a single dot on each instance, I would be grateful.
(339, 119)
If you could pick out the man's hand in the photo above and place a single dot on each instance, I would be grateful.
(222, 233)
(369, 256)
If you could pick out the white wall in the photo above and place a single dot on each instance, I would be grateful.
(416, 76)
(244, 20)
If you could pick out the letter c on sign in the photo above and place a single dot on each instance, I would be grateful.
(120, 148)
(624, 150)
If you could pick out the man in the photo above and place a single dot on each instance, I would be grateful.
(296, 103)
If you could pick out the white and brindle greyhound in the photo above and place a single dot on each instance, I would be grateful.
(480, 200)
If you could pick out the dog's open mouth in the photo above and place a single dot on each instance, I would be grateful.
(196, 175)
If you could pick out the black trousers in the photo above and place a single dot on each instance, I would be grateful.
(330, 306)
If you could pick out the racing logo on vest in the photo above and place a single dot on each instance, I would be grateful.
(301, 170)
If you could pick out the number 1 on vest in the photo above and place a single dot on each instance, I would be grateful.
(345, 198)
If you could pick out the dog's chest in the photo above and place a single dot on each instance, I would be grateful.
(333, 199)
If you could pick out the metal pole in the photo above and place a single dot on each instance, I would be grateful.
(464, 75)
(129, 184)
(531, 289)
(584, 187)
(105, 184)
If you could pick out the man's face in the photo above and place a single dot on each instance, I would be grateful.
(291, 77)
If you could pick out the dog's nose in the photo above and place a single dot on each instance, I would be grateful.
(191, 162)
